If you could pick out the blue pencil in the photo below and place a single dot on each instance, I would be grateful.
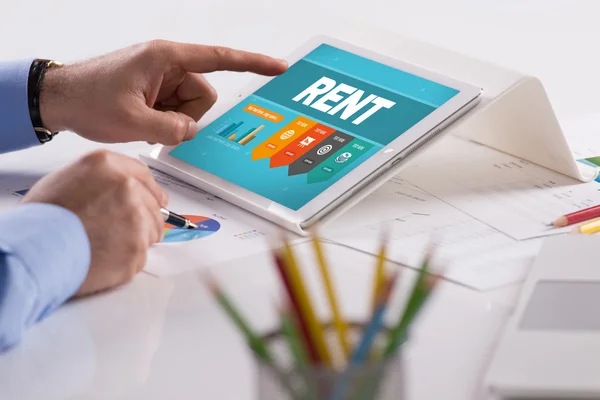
(369, 336)
(362, 350)
(372, 329)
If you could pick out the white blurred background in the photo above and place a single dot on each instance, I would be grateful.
(556, 40)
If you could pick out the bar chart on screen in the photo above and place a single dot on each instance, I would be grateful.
(238, 132)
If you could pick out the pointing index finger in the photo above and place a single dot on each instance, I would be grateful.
(201, 59)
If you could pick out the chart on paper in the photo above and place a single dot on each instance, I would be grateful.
(205, 227)
(13, 188)
(512, 195)
(583, 136)
(221, 228)
(469, 252)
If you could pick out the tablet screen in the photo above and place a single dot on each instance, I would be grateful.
(304, 130)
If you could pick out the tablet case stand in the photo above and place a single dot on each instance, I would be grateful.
(514, 115)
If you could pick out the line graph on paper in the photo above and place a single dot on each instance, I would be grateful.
(471, 252)
(512, 195)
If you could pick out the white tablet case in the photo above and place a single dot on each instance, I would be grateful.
(514, 115)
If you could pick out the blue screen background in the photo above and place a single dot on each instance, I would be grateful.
(415, 98)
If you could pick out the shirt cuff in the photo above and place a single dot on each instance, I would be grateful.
(16, 129)
(53, 246)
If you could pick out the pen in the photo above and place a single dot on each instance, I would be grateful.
(577, 216)
(177, 220)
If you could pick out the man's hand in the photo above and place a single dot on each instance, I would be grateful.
(150, 92)
(118, 202)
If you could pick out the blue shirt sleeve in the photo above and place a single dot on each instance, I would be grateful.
(16, 130)
(44, 259)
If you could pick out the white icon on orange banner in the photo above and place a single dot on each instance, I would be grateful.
(287, 134)
(308, 140)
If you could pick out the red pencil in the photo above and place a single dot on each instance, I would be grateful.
(577, 216)
(312, 351)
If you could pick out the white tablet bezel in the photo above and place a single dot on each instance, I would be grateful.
(250, 200)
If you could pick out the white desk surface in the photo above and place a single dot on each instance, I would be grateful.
(164, 338)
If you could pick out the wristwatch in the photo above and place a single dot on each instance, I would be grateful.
(37, 71)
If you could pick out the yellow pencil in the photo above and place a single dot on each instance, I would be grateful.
(314, 327)
(589, 227)
(379, 277)
(338, 321)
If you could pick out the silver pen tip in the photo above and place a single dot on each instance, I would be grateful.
(192, 225)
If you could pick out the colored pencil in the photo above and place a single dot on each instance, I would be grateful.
(419, 294)
(293, 301)
(304, 335)
(577, 217)
(255, 342)
(340, 324)
(370, 334)
(290, 332)
(298, 288)
(379, 277)
(373, 328)
(588, 228)
(288, 328)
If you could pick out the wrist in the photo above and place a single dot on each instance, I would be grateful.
(53, 99)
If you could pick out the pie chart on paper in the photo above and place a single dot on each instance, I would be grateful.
(206, 227)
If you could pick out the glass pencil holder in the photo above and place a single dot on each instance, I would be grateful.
(375, 379)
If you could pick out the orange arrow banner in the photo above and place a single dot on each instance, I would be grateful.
(282, 138)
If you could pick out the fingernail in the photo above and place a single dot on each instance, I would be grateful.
(192, 129)
(284, 62)
(165, 198)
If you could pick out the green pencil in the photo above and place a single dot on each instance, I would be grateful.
(255, 342)
(419, 294)
(288, 328)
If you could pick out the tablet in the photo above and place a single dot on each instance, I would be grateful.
(294, 147)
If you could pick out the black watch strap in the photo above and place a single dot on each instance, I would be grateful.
(37, 72)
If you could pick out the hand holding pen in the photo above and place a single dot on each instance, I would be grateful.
(177, 220)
